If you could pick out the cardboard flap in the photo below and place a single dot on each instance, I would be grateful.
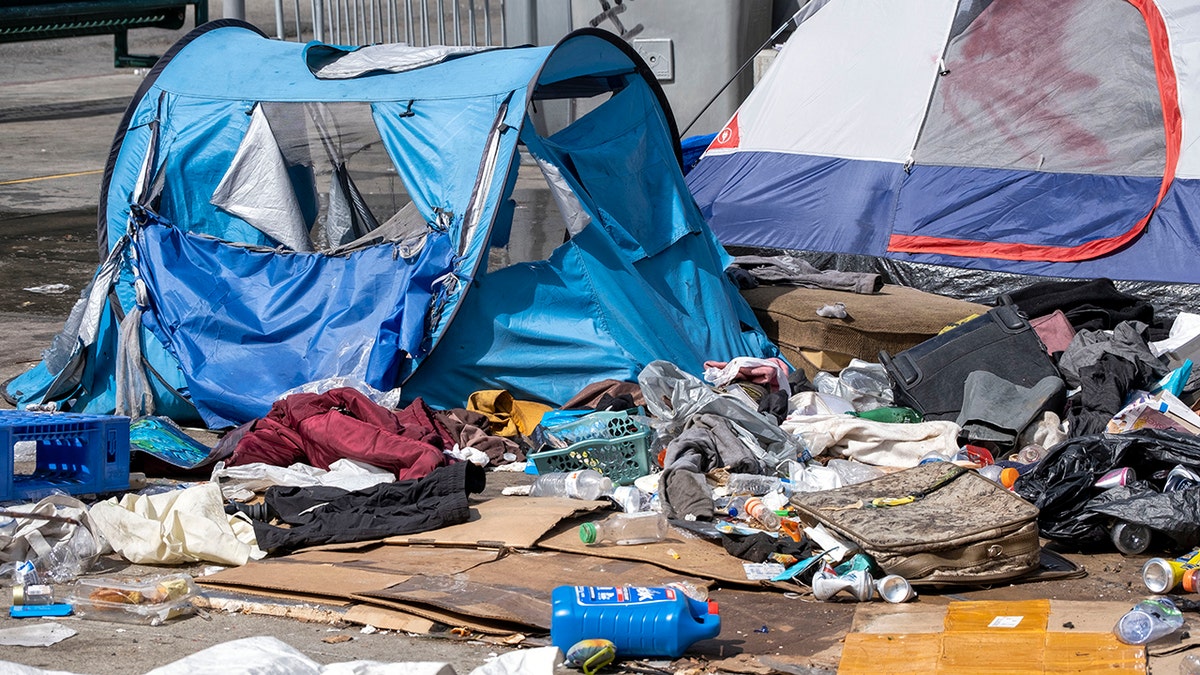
(516, 589)
(504, 522)
(685, 553)
(341, 575)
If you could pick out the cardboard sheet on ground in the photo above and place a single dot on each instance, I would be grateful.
(516, 589)
(504, 522)
(1031, 636)
(335, 576)
(696, 556)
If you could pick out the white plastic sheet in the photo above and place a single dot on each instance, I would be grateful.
(35, 635)
(242, 482)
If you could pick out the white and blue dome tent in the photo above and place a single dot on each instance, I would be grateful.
(974, 142)
(274, 214)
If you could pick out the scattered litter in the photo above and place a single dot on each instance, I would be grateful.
(1006, 622)
(368, 629)
(50, 289)
(336, 639)
(517, 490)
(673, 553)
(762, 571)
(36, 635)
(764, 629)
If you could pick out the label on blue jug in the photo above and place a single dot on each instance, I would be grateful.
(613, 595)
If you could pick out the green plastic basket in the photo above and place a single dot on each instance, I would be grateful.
(623, 459)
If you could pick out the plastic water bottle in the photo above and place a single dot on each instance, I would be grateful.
(754, 484)
(625, 529)
(632, 500)
(1190, 665)
(641, 622)
(1148, 621)
(759, 511)
(1130, 538)
(1031, 453)
(585, 484)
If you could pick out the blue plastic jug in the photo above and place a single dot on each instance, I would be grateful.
(640, 621)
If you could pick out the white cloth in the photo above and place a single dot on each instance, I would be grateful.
(878, 443)
(175, 527)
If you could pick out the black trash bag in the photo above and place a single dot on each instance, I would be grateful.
(1062, 486)
(1173, 513)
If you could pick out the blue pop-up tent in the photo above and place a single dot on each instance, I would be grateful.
(274, 214)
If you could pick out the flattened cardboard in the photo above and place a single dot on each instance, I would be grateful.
(697, 557)
(884, 654)
(406, 560)
(504, 522)
(880, 618)
(387, 619)
(1020, 637)
(321, 580)
(516, 589)
(447, 618)
(1086, 616)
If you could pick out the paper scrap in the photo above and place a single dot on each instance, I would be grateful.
(1005, 622)
(762, 571)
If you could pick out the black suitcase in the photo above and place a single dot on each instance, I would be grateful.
(930, 376)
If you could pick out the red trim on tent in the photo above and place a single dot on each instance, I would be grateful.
(729, 138)
(1164, 72)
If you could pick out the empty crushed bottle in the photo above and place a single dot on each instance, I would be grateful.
(625, 529)
(632, 500)
(1031, 454)
(1130, 538)
(1148, 621)
(585, 484)
(758, 511)
(754, 484)
(852, 473)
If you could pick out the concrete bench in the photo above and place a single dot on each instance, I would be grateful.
(24, 20)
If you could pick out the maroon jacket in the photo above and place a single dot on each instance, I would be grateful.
(319, 429)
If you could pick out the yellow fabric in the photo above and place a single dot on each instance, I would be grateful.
(508, 416)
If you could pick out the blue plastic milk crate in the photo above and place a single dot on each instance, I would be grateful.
(76, 453)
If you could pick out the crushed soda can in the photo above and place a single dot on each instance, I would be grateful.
(1116, 478)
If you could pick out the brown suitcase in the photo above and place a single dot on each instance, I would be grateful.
(961, 528)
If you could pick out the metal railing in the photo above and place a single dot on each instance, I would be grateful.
(416, 22)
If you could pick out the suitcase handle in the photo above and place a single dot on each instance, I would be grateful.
(1008, 316)
(901, 368)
